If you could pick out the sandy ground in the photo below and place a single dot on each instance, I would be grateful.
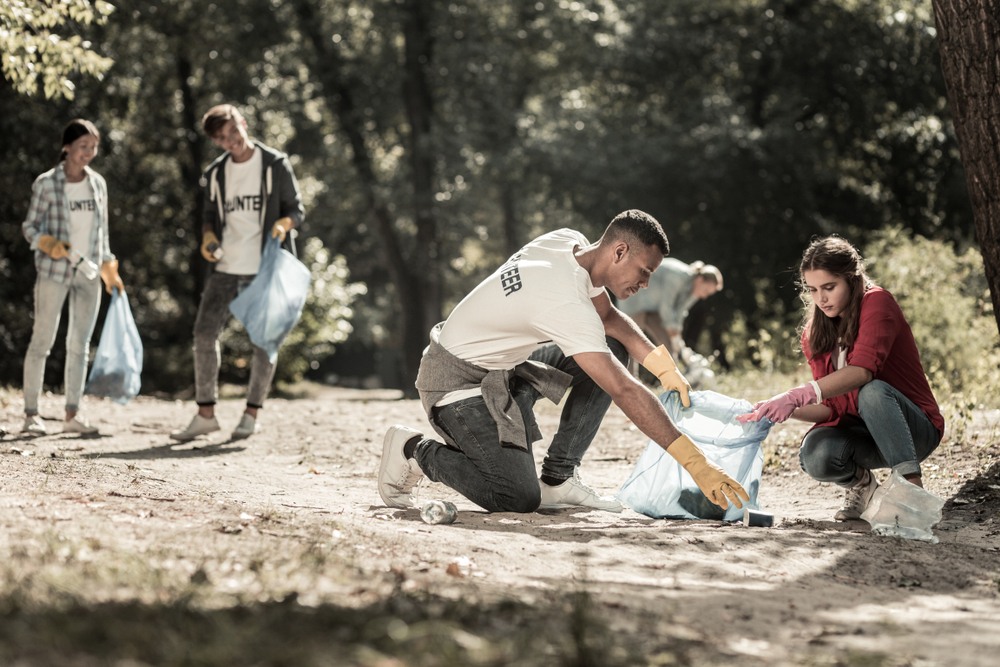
(806, 591)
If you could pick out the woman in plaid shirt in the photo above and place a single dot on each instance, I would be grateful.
(67, 227)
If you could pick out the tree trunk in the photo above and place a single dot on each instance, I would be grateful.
(417, 288)
(969, 44)
(191, 169)
(418, 45)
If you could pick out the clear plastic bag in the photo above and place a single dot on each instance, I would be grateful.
(659, 487)
(117, 369)
(901, 509)
(272, 303)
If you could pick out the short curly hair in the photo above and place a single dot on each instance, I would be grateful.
(635, 225)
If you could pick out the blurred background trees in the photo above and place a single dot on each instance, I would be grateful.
(432, 139)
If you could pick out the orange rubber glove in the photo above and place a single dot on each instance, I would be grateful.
(661, 364)
(281, 228)
(109, 274)
(210, 247)
(717, 486)
(53, 247)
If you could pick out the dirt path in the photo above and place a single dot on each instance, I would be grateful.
(292, 514)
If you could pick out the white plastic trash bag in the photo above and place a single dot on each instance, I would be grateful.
(901, 509)
(659, 487)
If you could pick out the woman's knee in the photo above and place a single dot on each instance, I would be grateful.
(873, 394)
(820, 458)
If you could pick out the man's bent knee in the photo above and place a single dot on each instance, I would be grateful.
(523, 503)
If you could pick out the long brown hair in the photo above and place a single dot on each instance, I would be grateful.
(841, 259)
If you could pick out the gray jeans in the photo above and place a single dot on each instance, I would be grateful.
(84, 303)
(892, 432)
(501, 477)
(213, 314)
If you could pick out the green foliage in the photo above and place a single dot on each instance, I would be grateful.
(325, 321)
(34, 53)
(945, 297)
(746, 126)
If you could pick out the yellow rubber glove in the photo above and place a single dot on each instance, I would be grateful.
(210, 247)
(109, 274)
(53, 247)
(717, 486)
(661, 364)
(281, 228)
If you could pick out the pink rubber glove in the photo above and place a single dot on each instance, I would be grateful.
(779, 408)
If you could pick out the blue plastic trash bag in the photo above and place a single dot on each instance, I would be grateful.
(272, 303)
(118, 362)
(659, 487)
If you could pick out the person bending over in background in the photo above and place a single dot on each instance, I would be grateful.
(67, 227)
(250, 196)
(541, 324)
(661, 309)
(869, 397)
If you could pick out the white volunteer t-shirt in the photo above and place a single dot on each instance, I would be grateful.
(82, 215)
(540, 295)
(243, 208)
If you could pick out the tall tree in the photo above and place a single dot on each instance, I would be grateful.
(415, 275)
(969, 38)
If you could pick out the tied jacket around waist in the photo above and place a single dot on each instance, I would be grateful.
(441, 373)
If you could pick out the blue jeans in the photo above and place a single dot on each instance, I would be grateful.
(213, 313)
(891, 432)
(84, 303)
(501, 477)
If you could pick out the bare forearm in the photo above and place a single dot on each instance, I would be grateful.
(647, 413)
(813, 413)
(623, 328)
(844, 380)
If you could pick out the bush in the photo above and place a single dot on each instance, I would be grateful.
(325, 321)
(946, 300)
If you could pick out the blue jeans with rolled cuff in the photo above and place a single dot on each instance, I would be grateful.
(891, 432)
(501, 477)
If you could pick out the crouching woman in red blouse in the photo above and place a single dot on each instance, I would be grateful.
(869, 397)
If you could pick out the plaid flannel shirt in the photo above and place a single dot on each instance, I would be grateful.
(48, 213)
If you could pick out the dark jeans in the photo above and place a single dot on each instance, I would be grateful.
(213, 314)
(892, 432)
(501, 477)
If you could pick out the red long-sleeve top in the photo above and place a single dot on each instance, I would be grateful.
(885, 346)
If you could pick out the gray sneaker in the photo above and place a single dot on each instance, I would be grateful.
(398, 475)
(81, 426)
(857, 498)
(198, 426)
(246, 427)
(575, 493)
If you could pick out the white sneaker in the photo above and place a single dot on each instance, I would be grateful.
(575, 493)
(246, 427)
(33, 425)
(198, 426)
(857, 498)
(77, 425)
(398, 475)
